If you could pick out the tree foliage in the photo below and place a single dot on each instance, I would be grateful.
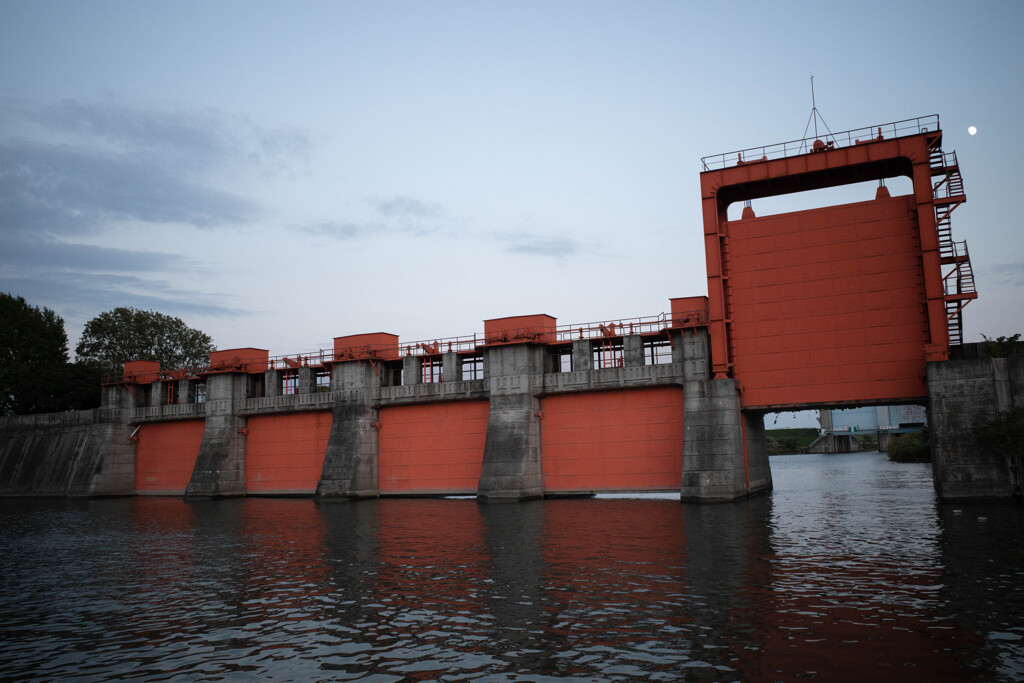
(1000, 347)
(35, 375)
(910, 447)
(125, 334)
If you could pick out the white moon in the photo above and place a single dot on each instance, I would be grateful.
(972, 130)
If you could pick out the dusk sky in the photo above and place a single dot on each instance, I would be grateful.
(278, 174)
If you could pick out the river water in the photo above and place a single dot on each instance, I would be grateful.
(849, 571)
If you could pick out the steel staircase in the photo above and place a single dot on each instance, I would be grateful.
(958, 281)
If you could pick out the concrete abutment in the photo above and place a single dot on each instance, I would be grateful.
(964, 395)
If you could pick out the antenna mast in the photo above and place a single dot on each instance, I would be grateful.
(815, 115)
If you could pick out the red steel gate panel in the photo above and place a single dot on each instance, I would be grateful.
(431, 449)
(165, 456)
(629, 440)
(284, 454)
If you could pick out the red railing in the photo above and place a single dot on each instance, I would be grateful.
(847, 138)
(194, 372)
(561, 334)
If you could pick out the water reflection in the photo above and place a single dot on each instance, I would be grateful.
(848, 571)
(981, 583)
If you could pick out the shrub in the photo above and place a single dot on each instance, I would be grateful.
(1004, 433)
(910, 447)
(1000, 347)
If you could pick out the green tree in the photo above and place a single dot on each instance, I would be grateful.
(125, 334)
(33, 347)
(64, 387)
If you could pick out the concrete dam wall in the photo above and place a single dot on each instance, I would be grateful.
(630, 412)
(65, 454)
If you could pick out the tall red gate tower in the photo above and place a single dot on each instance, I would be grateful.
(841, 305)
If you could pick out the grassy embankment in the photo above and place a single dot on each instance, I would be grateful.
(790, 440)
(799, 439)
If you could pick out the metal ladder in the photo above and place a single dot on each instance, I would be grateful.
(958, 282)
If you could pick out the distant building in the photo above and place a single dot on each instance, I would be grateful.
(871, 418)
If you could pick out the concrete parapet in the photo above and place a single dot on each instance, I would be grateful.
(166, 413)
(290, 403)
(610, 378)
(430, 392)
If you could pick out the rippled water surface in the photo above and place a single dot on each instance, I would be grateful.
(849, 570)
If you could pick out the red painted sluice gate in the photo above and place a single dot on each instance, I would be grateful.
(165, 456)
(285, 453)
(628, 440)
(432, 448)
(827, 305)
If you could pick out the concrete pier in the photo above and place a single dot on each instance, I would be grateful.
(511, 467)
(725, 457)
(964, 394)
(350, 463)
(220, 465)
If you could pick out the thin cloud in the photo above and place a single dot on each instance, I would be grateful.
(339, 230)
(1010, 274)
(61, 189)
(537, 245)
(75, 168)
(78, 166)
(401, 206)
(20, 254)
(83, 295)
(392, 216)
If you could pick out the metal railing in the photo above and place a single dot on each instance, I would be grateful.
(630, 326)
(300, 360)
(434, 347)
(464, 345)
(193, 372)
(847, 138)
